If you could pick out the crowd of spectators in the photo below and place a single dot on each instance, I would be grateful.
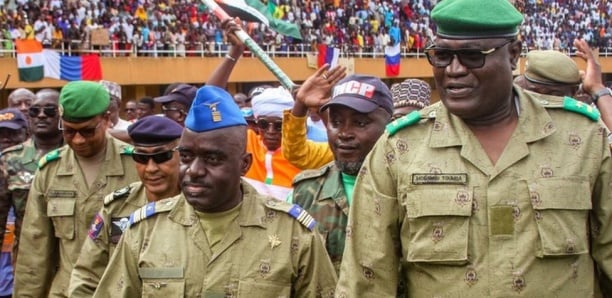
(185, 26)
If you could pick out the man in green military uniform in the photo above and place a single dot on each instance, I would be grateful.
(18, 163)
(494, 192)
(219, 238)
(157, 163)
(360, 108)
(68, 190)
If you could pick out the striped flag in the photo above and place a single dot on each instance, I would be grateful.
(72, 68)
(392, 60)
(239, 8)
(328, 54)
(30, 60)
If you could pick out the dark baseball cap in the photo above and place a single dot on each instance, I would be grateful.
(154, 131)
(12, 118)
(182, 93)
(361, 93)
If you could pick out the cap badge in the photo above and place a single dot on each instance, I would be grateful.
(216, 115)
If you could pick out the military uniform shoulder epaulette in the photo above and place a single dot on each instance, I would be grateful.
(569, 104)
(118, 194)
(12, 148)
(51, 156)
(309, 174)
(126, 150)
(411, 119)
(151, 209)
(295, 211)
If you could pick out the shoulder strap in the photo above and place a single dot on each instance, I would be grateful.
(12, 148)
(127, 150)
(295, 211)
(151, 209)
(309, 174)
(118, 194)
(51, 156)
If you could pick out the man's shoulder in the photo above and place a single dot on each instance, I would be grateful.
(566, 104)
(13, 150)
(294, 211)
(151, 209)
(122, 194)
(52, 156)
(413, 119)
(311, 174)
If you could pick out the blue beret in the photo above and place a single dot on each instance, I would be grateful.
(475, 19)
(154, 131)
(80, 101)
(213, 108)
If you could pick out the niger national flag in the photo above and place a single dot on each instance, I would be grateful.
(30, 60)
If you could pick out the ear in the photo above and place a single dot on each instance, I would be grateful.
(246, 161)
(515, 48)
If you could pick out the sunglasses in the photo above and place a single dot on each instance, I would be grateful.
(84, 132)
(48, 111)
(158, 158)
(470, 58)
(265, 124)
(165, 110)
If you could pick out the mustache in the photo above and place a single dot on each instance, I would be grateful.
(195, 183)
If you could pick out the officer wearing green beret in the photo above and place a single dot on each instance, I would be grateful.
(157, 163)
(219, 238)
(68, 190)
(492, 192)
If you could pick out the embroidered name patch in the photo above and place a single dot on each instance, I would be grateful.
(461, 178)
(62, 194)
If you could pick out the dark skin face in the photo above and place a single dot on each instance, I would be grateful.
(160, 180)
(11, 137)
(211, 165)
(351, 135)
(21, 99)
(479, 96)
(86, 146)
(175, 111)
(143, 110)
(130, 110)
(270, 136)
(43, 125)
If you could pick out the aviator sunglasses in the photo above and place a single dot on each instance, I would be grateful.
(470, 58)
(265, 124)
(158, 157)
(48, 111)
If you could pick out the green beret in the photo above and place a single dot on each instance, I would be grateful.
(79, 101)
(475, 19)
(551, 68)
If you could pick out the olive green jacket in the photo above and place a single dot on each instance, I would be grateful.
(265, 253)
(59, 212)
(535, 224)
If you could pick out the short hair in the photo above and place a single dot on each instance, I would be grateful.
(148, 101)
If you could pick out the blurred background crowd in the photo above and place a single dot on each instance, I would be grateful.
(184, 27)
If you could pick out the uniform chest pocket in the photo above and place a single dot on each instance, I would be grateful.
(61, 212)
(438, 224)
(263, 289)
(162, 282)
(561, 208)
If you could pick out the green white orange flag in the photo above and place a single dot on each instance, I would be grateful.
(30, 60)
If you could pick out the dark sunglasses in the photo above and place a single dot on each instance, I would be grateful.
(470, 58)
(48, 111)
(265, 124)
(158, 158)
(84, 132)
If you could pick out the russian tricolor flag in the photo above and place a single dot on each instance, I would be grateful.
(392, 60)
(328, 55)
(72, 68)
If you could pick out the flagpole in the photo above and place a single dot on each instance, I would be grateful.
(254, 47)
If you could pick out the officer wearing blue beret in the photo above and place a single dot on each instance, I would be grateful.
(219, 230)
(493, 191)
(67, 191)
(157, 163)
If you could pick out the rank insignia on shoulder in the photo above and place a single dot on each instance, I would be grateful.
(51, 156)
(408, 120)
(579, 107)
(151, 209)
(127, 150)
(96, 227)
(118, 194)
(297, 212)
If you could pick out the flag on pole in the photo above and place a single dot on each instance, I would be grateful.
(392, 60)
(280, 26)
(72, 68)
(239, 8)
(30, 60)
(328, 54)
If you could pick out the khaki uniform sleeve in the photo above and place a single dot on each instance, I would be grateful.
(92, 260)
(370, 263)
(5, 201)
(601, 236)
(318, 276)
(122, 280)
(39, 254)
(297, 149)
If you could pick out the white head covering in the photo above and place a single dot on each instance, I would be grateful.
(272, 102)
